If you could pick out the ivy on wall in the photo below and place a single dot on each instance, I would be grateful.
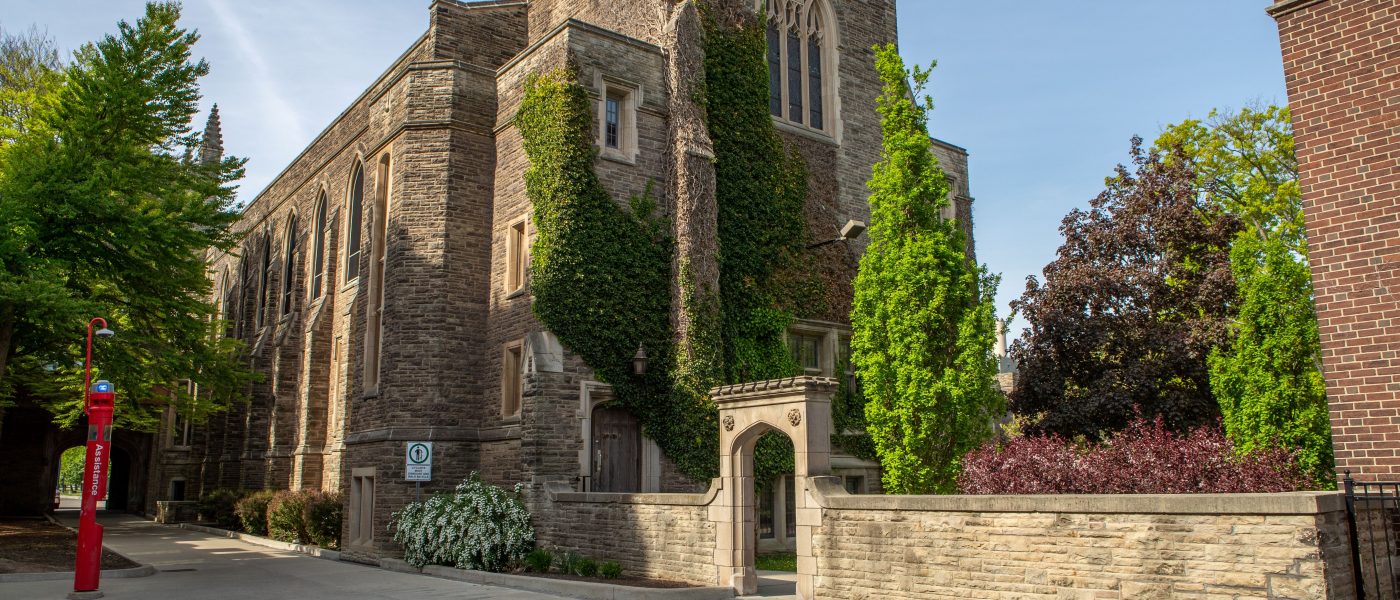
(760, 189)
(601, 272)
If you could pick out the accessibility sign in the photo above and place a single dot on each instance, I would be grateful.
(418, 462)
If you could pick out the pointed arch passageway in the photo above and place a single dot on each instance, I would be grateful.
(800, 408)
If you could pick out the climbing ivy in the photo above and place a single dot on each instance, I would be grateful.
(601, 273)
(760, 189)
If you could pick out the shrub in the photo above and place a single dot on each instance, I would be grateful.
(611, 570)
(1144, 458)
(539, 560)
(568, 562)
(586, 567)
(477, 526)
(322, 515)
(252, 511)
(286, 517)
(218, 506)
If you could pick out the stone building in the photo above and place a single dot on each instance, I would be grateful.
(382, 289)
(1342, 63)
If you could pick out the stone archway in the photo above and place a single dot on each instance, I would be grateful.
(799, 407)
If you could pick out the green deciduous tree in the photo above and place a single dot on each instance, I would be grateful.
(101, 215)
(30, 76)
(1268, 381)
(923, 315)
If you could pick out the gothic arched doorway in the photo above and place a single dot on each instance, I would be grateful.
(800, 408)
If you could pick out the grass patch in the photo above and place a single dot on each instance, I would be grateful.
(783, 561)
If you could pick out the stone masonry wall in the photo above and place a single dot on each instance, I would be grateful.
(658, 536)
(1342, 63)
(1187, 546)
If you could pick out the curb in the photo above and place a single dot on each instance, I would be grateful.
(587, 590)
(141, 571)
(308, 550)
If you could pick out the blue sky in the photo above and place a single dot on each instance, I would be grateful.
(1043, 95)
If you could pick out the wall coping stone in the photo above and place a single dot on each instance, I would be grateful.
(830, 494)
(773, 387)
(1283, 7)
(562, 493)
(573, 23)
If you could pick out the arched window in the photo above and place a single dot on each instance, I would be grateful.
(379, 230)
(226, 305)
(318, 261)
(352, 226)
(798, 34)
(289, 264)
(266, 279)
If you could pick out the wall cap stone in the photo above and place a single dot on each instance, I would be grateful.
(773, 387)
(1283, 7)
(831, 495)
(562, 493)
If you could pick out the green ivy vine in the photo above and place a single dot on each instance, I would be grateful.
(589, 248)
(601, 273)
(760, 189)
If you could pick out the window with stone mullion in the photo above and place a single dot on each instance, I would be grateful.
(793, 55)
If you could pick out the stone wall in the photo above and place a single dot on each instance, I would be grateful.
(1339, 58)
(658, 536)
(1226, 545)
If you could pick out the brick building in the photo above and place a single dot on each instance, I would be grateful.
(1342, 63)
(382, 291)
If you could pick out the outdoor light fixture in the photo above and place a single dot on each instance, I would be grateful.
(104, 332)
(851, 230)
(639, 362)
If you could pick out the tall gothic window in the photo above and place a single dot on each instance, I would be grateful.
(318, 253)
(289, 264)
(379, 229)
(265, 283)
(352, 226)
(797, 71)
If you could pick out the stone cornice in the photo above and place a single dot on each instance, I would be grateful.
(1283, 7)
(773, 387)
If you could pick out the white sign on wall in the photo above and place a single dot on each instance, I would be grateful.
(418, 462)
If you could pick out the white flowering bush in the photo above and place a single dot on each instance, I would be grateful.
(478, 526)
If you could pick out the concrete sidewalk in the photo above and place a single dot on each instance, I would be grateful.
(198, 566)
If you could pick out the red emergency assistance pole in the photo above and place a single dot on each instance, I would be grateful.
(98, 400)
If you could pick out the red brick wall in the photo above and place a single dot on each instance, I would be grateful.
(1342, 62)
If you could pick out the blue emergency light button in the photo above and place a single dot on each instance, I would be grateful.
(102, 387)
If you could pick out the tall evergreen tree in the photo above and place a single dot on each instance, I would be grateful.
(1268, 381)
(923, 316)
(101, 215)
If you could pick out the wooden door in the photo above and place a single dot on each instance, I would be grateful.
(617, 451)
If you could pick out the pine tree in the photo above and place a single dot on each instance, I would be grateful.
(923, 316)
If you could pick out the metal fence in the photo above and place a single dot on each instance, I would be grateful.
(1373, 516)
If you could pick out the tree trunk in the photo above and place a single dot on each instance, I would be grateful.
(7, 332)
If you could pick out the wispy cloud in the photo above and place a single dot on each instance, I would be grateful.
(277, 110)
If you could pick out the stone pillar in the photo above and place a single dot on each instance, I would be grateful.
(691, 179)
(800, 408)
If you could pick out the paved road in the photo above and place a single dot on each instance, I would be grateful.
(198, 566)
